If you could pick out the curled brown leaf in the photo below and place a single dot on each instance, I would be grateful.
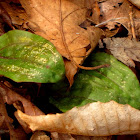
(95, 119)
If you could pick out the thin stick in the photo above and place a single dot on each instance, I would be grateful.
(105, 22)
(132, 23)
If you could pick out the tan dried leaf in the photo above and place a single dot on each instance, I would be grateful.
(95, 119)
(124, 49)
(58, 22)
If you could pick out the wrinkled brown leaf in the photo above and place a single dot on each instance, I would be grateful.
(119, 11)
(95, 119)
(58, 21)
(17, 14)
(124, 49)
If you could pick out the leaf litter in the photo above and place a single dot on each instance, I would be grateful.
(124, 49)
(61, 24)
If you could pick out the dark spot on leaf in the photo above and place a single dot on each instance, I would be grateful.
(91, 13)
(47, 66)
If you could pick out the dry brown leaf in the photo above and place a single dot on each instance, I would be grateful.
(58, 21)
(19, 102)
(124, 49)
(15, 134)
(120, 11)
(40, 135)
(95, 119)
(11, 97)
(17, 14)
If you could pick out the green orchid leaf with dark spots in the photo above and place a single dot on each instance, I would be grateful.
(116, 82)
(26, 57)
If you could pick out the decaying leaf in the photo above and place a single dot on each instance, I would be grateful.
(94, 119)
(5, 16)
(17, 13)
(124, 49)
(119, 11)
(15, 134)
(58, 22)
(11, 97)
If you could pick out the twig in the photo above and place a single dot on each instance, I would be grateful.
(132, 23)
(110, 20)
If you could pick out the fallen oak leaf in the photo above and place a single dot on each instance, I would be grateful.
(58, 22)
(94, 119)
(52, 25)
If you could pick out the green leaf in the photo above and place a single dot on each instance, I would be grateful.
(116, 82)
(26, 57)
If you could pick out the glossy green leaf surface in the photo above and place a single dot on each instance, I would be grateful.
(26, 57)
(116, 82)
